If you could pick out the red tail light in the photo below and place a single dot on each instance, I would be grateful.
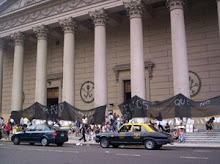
(54, 134)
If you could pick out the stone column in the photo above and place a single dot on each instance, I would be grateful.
(69, 26)
(218, 8)
(17, 81)
(179, 48)
(99, 18)
(135, 10)
(41, 66)
(2, 44)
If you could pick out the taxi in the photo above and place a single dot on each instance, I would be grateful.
(135, 134)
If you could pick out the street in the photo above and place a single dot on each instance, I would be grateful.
(85, 154)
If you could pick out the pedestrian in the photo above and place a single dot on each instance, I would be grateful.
(7, 129)
(85, 121)
(111, 118)
(181, 135)
(83, 131)
(167, 128)
(175, 134)
(210, 125)
(1, 121)
(160, 128)
(11, 122)
(77, 127)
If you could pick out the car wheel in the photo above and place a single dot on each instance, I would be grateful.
(16, 141)
(60, 144)
(115, 145)
(150, 144)
(44, 142)
(104, 143)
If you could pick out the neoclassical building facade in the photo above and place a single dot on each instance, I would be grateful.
(96, 52)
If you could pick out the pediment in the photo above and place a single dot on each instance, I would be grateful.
(8, 6)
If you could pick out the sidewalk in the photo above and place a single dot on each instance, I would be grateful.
(75, 140)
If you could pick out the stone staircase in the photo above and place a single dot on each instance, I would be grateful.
(202, 137)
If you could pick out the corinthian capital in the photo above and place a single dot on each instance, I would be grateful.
(2, 44)
(176, 4)
(134, 8)
(18, 38)
(41, 32)
(69, 25)
(99, 17)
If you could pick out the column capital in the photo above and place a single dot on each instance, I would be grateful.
(18, 38)
(2, 44)
(68, 25)
(176, 4)
(134, 8)
(99, 17)
(41, 32)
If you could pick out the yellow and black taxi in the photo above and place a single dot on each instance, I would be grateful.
(40, 134)
(135, 134)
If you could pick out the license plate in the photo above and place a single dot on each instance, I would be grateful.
(62, 134)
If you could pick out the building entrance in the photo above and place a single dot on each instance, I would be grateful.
(52, 96)
(127, 89)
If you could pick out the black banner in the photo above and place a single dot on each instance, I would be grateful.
(177, 106)
(62, 111)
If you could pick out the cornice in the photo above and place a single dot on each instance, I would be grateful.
(99, 17)
(41, 11)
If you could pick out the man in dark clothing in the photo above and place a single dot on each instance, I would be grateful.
(83, 130)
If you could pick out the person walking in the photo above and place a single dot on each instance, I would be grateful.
(210, 125)
(83, 131)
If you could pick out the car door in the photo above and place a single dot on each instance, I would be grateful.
(125, 134)
(39, 132)
(137, 133)
(28, 134)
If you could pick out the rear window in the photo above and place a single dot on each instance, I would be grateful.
(152, 127)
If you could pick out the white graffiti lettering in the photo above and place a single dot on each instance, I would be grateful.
(181, 102)
(204, 103)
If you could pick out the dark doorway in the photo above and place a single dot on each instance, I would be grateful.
(52, 96)
(127, 89)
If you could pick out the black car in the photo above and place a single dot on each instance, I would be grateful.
(40, 134)
(135, 134)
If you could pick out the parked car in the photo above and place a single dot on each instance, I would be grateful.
(135, 134)
(40, 134)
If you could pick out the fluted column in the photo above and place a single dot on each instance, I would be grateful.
(69, 26)
(17, 81)
(134, 9)
(218, 8)
(41, 65)
(179, 48)
(99, 18)
(2, 44)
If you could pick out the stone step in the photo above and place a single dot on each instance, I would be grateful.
(198, 141)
